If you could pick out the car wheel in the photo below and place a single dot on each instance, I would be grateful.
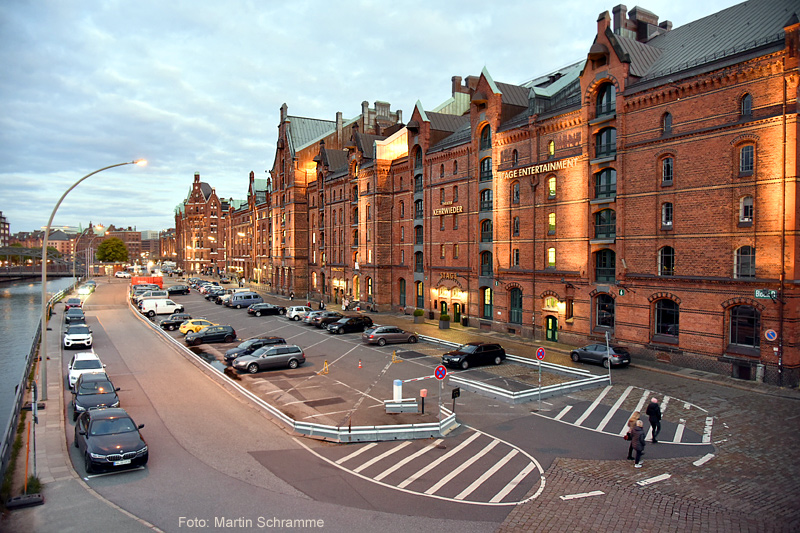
(381, 342)
(228, 338)
(575, 357)
(238, 306)
(258, 313)
(498, 360)
(464, 364)
(87, 464)
(412, 340)
(196, 342)
(606, 363)
(293, 363)
(151, 314)
(252, 368)
(282, 312)
(171, 328)
(339, 331)
(296, 318)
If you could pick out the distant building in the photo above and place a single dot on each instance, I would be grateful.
(5, 233)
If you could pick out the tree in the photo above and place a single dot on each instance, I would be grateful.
(14, 259)
(112, 250)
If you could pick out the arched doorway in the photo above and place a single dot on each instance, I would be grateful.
(456, 312)
(551, 328)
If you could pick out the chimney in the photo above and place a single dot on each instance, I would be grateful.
(284, 112)
(339, 127)
(603, 22)
(620, 14)
(197, 177)
(456, 85)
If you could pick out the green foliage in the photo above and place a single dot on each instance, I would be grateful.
(34, 485)
(8, 480)
(444, 318)
(112, 250)
(418, 312)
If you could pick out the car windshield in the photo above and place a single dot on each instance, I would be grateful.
(78, 330)
(75, 311)
(87, 364)
(467, 348)
(95, 387)
(247, 344)
(74, 301)
(111, 426)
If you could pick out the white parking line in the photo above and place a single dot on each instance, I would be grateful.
(707, 429)
(489, 473)
(436, 463)
(563, 412)
(582, 495)
(679, 432)
(466, 464)
(408, 459)
(382, 456)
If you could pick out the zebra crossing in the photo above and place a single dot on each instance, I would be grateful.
(681, 422)
(474, 468)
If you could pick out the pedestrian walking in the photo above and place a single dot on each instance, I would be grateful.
(653, 412)
(241, 282)
(637, 438)
(629, 437)
(291, 295)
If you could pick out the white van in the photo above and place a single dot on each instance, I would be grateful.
(149, 295)
(160, 306)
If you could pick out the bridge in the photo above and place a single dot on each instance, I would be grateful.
(57, 266)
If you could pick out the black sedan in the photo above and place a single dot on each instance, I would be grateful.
(473, 354)
(322, 319)
(266, 309)
(93, 391)
(250, 346)
(178, 289)
(598, 353)
(212, 294)
(350, 324)
(109, 438)
(69, 303)
(211, 334)
(75, 315)
(173, 321)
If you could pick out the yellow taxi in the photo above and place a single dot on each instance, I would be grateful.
(196, 324)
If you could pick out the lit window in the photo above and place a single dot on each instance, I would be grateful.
(551, 148)
(455, 251)
(551, 187)
(442, 252)
(551, 224)
(487, 303)
(551, 257)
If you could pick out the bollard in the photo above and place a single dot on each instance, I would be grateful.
(398, 390)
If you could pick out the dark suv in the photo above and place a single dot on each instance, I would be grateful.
(211, 334)
(250, 346)
(350, 324)
(173, 321)
(473, 354)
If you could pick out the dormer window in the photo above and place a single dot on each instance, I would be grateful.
(606, 99)
(486, 138)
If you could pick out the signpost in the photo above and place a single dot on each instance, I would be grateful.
(608, 359)
(766, 294)
(456, 394)
(440, 373)
(540, 357)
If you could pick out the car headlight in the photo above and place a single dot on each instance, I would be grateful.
(115, 404)
(79, 408)
(96, 456)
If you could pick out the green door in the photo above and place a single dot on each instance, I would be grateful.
(456, 312)
(552, 328)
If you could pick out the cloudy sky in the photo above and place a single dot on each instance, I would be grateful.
(196, 86)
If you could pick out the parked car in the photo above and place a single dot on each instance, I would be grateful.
(160, 306)
(109, 438)
(93, 391)
(326, 317)
(83, 363)
(150, 294)
(473, 354)
(597, 353)
(382, 335)
(211, 334)
(225, 279)
(178, 289)
(350, 324)
(195, 324)
(74, 313)
(250, 346)
(78, 334)
(265, 308)
(297, 312)
(174, 321)
(213, 293)
(121, 274)
(69, 303)
(281, 356)
(310, 316)
(243, 299)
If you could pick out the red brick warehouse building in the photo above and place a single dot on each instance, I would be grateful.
(648, 192)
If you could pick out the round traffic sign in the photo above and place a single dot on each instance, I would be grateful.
(440, 372)
(770, 335)
(540, 353)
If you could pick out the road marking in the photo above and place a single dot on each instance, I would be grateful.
(707, 429)
(703, 460)
(679, 431)
(652, 480)
(563, 412)
(357, 453)
(489, 473)
(466, 464)
(419, 473)
(664, 403)
(592, 407)
(614, 408)
(582, 495)
(382, 456)
(408, 459)
(516, 481)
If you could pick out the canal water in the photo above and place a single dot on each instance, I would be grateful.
(20, 309)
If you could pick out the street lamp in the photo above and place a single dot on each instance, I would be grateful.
(43, 347)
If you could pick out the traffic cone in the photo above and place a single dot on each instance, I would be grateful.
(359, 363)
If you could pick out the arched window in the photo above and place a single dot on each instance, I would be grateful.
(486, 138)
(441, 196)
(515, 305)
(605, 265)
(441, 171)
(667, 314)
(745, 266)
(486, 200)
(418, 183)
(402, 288)
(605, 224)
(486, 231)
(354, 193)
(604, 311)
(515, 192)
(455, 167)
(355, 236)
(455, 193)
(745, 326)
(515, 227)
(420, 293)
(666, 261)
(402, 234)
(417, 234)
(486, 299)
(551, 224)
(486, 169)
(551, 187)
(551, 149)
(402, 209)
(369, 288)
(606, 142)
(486, 264)
(606, 99)
(418, 158)
(666, 215)
(605, 183)
(746, 106)
(746, 160)
(551, 258)
(355, 215)
(418, 262)
(514, 158)
(746, 209)
(667, 168)
(666, 124)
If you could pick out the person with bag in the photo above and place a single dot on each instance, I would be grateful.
(637, 439)
(631, 424)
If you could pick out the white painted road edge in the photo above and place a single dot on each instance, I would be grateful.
(703, 460)
(652, 480)
(582, 495)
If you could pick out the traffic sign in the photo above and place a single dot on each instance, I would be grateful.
(766, 294)
(770, 335)
(440, 372)
(540, 353)
(456, 392)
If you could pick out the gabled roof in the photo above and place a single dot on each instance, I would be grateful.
(444, 122)
(514, 94)
(304, 131)
(335, 159)
(461, 136)
(366, 143)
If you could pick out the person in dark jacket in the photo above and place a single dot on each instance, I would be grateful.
(631, 424)
(637, 438)
(653, 412)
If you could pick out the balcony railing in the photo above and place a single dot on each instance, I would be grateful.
(605, 231)
(486, 205)
(486, 236)
(605, 190)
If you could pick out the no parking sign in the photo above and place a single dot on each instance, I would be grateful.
(540, 353)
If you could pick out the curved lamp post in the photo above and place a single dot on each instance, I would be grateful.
(43, 346)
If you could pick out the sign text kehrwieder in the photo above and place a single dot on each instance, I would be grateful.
(539, 168)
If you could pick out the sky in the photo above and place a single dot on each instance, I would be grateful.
(197, 86)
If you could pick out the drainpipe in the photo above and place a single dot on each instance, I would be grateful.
(783, 235)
